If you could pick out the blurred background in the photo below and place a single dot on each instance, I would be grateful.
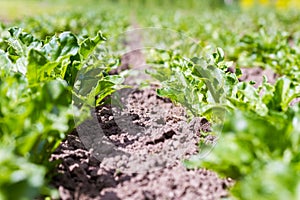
(16, 9)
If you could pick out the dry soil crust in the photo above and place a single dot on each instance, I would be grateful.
(150, 165)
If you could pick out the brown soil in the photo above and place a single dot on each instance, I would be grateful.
(150, 164)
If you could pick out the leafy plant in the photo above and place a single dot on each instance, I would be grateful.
(260, 127)
(270, 50)
(38, 79)
(200, 84)
(265, 164)
(19, 175)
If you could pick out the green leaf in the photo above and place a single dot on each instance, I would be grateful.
(89, 45)
(65, 45)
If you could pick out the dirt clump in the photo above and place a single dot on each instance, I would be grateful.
(154, 136)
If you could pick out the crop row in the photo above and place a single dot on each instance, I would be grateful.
(256, 127)
(41, 93)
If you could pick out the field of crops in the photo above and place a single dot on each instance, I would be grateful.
(141, 99)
